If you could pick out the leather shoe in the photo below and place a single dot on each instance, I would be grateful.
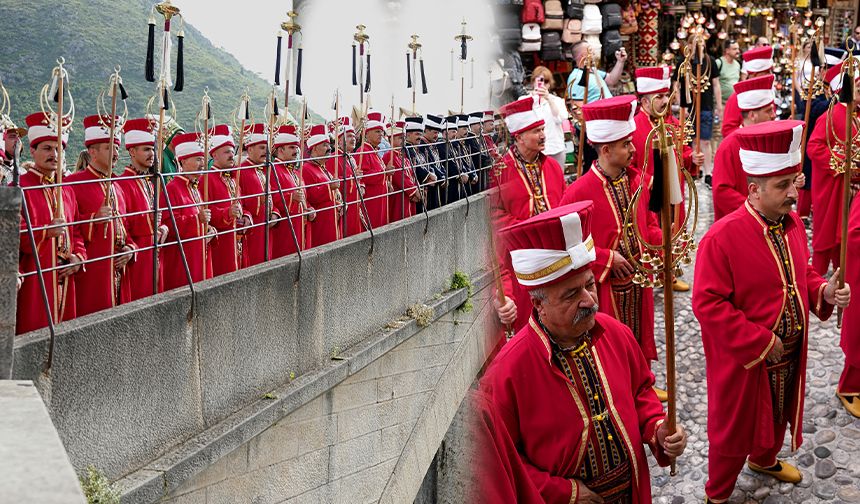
(851, 403)
(782, 471)
(680, 286)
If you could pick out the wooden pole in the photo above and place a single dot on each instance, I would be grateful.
(846, 179)
(159, 169)
(668, 279)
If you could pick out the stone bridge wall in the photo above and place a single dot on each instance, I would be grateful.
(156, 391)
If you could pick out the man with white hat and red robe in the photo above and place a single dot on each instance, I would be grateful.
(190, 217)
(652, 86)
(848, 390)
(289, 195)
(256, 197)
(373, 174)
(402, 201)
(755, 99)
(101, 209)
(322, 188)
(572, 387)
(345, 170)
(227, 211)
(610, 184)
(753, 292)
(58, 246)
(137, 188)
(828, 141)
(530, 183)
(757, 63)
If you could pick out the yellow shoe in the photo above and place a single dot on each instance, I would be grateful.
(851, 403)
(680, 286)
(661, 394)
(782, 471)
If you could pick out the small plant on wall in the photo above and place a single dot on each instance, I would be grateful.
(97, 489)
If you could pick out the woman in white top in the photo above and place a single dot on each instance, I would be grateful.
(552, 110)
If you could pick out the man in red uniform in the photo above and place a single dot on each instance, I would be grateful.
(289, 196)
(342, 167)
(755, 99)
(758, 62)
(610, 184)
(137, 189)
(101, 209)
(189, 221)
(848, 390)
(828, 141)
(530, 183)
(402, 201)
(572, 387)
(373, 174)
(222, 200)
(753, 294)
(652, 86)
(256, 197)
(57, 247)
(322, 189)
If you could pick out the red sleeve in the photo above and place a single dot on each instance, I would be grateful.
(318, 195)
(77, 246)
(187, 224)
(816, 148)
(554, 489)
(742, 341)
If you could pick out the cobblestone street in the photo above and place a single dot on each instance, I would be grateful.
(830, 455)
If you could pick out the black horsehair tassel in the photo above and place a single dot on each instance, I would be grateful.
(275, 107)
(655, 203)
(847, 92)
(299, 73)
(208, 111)
(463, 48)
(180, 66)
(423, 79)
(150, 52)
(247, 110)
(122, 92)
(165, 99)
(408, 72)
(814, 56)
(278, 62)
(354, 78)
(367, 85)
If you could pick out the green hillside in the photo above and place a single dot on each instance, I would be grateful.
(95, 35)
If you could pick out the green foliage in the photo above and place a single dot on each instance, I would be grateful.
(97, 489)
(461, 280)
(269, 396)
(94, 36)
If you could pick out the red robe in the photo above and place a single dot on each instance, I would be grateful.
(729, 180)
(826, 183)
(399, 204)
(739, 293)
(547, 417)
(224, 248)
(346, 167)
(498, 473)
(284, 183)
(606, 231)
(61, 296)
(96, 283)
(326, 227)
(850, 341)
(137, 193)
(732, 116)
(514, 203)
(375, 180)
(183, 193)
(252, 183)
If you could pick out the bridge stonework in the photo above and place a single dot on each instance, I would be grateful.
(293, 381)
